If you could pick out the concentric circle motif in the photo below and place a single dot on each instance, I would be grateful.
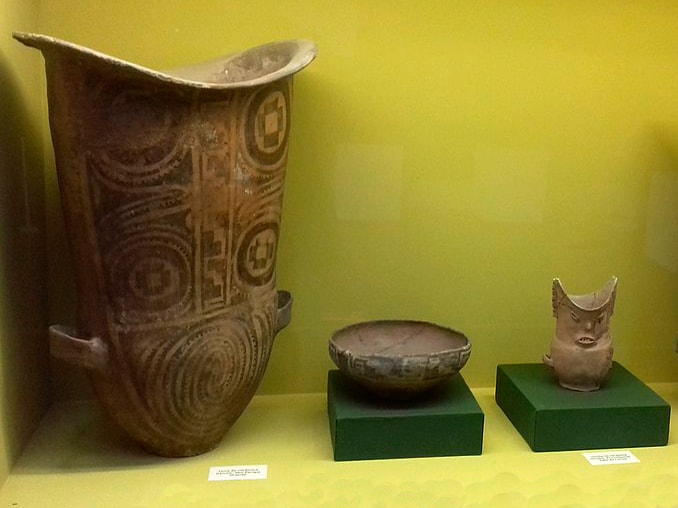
(150, 277)
(256, 254)
(196, 385)
(267, 124)
(138, 136)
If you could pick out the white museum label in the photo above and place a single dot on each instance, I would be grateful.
(608, 458)
(223, 473)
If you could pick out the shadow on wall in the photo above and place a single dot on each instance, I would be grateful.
(24, 379)
(661, 220)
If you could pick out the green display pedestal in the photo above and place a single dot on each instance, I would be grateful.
(624, 413)
(446, 421)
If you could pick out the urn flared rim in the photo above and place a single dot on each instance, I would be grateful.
(258, 65)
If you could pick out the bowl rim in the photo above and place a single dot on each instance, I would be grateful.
(441, 352)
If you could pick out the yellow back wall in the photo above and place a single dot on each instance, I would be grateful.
(447, 160)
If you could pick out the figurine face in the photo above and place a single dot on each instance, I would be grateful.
(583, 320)
(582, 327)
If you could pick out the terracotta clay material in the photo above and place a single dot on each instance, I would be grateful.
(172, 187)
(399, 359)
(581, 350)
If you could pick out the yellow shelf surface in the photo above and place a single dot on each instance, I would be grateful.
(77, 459)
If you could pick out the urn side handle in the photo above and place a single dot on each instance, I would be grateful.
(66, 344)
(284, 313)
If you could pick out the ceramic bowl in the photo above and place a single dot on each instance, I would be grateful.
(399, 359)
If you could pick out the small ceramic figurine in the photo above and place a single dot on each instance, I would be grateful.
(581, 350)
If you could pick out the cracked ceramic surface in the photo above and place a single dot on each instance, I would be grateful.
(399, 359)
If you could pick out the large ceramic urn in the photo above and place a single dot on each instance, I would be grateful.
(172, 187)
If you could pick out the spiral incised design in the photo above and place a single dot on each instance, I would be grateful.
(195, 383)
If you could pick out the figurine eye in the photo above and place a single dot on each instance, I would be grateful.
(600, 319)
(574, 317)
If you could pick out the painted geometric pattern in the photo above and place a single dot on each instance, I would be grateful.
(186, 204)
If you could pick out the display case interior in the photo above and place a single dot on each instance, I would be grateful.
(446, 161)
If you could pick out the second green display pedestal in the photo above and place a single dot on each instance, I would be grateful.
(446, 421)
(624, 413)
